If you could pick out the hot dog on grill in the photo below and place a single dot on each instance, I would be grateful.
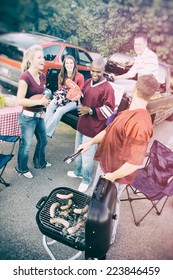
(81, 211)
(52, 209)
(59, 221)
(64, 196)
(79, 224)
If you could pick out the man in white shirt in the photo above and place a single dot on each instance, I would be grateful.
(146, 62)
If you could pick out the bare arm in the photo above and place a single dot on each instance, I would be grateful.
(96, 140)
(21, 93)
(124, 170)
(123, 76)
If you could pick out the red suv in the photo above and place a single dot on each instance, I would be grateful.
(55, 49)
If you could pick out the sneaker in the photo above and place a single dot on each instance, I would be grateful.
(112, 239)
(28, 175)
(73, 175)
(48, 164)
(83, 187)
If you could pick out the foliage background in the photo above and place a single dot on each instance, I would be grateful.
(105, 26)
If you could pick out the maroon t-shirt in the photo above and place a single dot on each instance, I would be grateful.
(99, 96)
(33, 89)
(126, 140)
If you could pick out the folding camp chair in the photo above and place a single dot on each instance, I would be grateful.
(154, 181)
(5, 158)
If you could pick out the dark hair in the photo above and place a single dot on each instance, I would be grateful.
(141, 34)
(146, 86)
(63, 72)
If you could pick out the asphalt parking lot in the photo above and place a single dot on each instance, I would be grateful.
(20, 237)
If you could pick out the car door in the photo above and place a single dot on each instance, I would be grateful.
(50, 55)
(69, 51)
(84, 61)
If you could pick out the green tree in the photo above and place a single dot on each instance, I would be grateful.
(105, 26)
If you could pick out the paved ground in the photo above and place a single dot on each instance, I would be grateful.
(20, 238)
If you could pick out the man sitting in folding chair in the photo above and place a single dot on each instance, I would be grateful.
(5, 158)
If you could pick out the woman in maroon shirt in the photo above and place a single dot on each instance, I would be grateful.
(30, 96)
(55, 112)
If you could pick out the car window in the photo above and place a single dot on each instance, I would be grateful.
(68, 51)
(51, 52)
(83, 58)
(119, 65)
(11, 52)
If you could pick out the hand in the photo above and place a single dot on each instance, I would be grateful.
(109, 176)
(83, 110)
(45, 101)
(112, 77)
(86, 146)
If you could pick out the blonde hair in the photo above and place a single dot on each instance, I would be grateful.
(28, 55)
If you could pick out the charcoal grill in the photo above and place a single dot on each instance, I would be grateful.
(94, 237)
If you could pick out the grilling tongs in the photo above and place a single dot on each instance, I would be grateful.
(72, 157)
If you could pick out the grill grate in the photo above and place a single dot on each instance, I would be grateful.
(58, 231)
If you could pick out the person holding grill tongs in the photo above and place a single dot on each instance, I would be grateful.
(123, 144)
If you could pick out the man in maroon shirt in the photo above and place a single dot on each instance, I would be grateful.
(123, 144)
(96, 106)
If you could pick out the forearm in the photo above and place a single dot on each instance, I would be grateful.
(96, 140)
(125, 170)
(28, 102)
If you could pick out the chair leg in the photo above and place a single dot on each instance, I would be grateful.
(133, 213)
(154, 206)
(2, 181)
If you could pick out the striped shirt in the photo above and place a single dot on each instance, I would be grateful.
(100, 97)
(146, 63)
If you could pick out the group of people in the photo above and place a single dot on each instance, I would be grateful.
(120, 147)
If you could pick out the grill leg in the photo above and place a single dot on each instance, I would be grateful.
(46, 244)
(79, 253)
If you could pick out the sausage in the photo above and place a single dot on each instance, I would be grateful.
(81, 211)
(64, 196)
(79, 224)
(59, 221)
(52, 209)
(65, 207)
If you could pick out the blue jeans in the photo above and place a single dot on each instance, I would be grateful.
(30, 126)
(54, 115)
(84, 163)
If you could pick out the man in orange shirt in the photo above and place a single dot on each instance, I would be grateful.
(123, 144)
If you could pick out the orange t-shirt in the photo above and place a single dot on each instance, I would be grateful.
(126, 140)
